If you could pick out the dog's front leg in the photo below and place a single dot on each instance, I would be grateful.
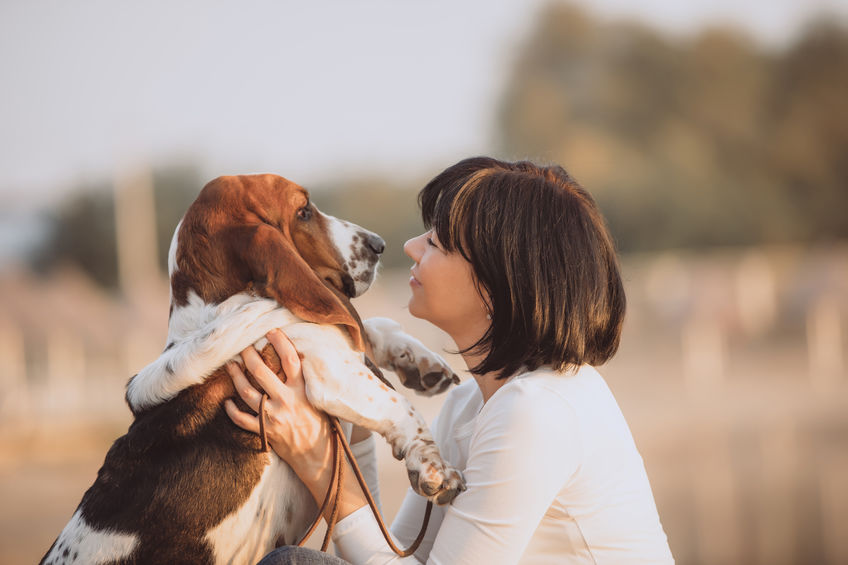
(416, 366)
(338, 382)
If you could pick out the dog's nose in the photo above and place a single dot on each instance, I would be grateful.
(376, 243)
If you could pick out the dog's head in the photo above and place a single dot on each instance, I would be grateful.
(261, 234)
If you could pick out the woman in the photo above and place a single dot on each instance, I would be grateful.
(518, 267)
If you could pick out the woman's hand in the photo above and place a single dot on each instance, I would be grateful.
(296, 431)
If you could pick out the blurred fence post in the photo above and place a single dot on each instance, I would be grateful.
(824, 343)
(135, 233)
(703, 355)
(65, 374)
(777, 516)
(756, 300)
(14, 386)
(833, 489)
(714, 489)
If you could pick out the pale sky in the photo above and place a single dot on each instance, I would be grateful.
(314, 90)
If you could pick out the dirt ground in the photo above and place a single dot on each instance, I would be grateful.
(42, 479)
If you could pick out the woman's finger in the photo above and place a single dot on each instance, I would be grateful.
(245, 390)
(243, 420)
(265, 377)
(289, 358)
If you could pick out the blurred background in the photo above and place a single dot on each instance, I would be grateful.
(714, 135)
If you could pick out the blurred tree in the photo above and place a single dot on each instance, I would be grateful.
(82, 233)
(709, 140)
(809, 149)
(82, 228)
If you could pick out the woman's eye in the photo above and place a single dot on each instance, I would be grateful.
(304, 213)
(431, 244)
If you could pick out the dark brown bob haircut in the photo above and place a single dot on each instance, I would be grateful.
(542, 257)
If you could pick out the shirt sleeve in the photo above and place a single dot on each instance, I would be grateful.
(365, 452)
(524, 449)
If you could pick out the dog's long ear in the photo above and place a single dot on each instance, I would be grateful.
(278, 271)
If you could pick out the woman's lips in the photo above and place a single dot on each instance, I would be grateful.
(413, 281)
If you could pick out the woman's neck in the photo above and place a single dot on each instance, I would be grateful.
(487, 383)
(471, 334)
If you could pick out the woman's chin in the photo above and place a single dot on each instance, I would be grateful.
(415, 309)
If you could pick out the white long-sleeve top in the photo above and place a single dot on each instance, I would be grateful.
(553, 476)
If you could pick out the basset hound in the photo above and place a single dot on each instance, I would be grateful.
(185, 484)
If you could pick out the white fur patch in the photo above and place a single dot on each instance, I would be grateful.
(172, 251)
(279, 503)
(172, 260)
(347, 237)
(379, 330)
(79, 543)
(201, 338)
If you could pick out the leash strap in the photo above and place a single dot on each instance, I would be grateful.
(334, 491)
(262, 437)
(364, 486)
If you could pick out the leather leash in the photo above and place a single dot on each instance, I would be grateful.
(334, 492)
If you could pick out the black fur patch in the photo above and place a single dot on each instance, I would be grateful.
(178, 471)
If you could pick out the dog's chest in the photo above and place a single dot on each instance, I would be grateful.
(279, 506)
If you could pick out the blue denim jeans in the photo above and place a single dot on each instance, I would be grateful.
(293, 555)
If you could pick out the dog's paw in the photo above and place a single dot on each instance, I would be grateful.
(429, 475)
(417, 367)
(437, 482)
(420, 369)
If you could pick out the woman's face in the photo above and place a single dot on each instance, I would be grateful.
(443, 289)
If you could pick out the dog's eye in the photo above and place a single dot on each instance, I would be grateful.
(304, 213)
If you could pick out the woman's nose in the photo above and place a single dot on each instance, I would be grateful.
(412, 248)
